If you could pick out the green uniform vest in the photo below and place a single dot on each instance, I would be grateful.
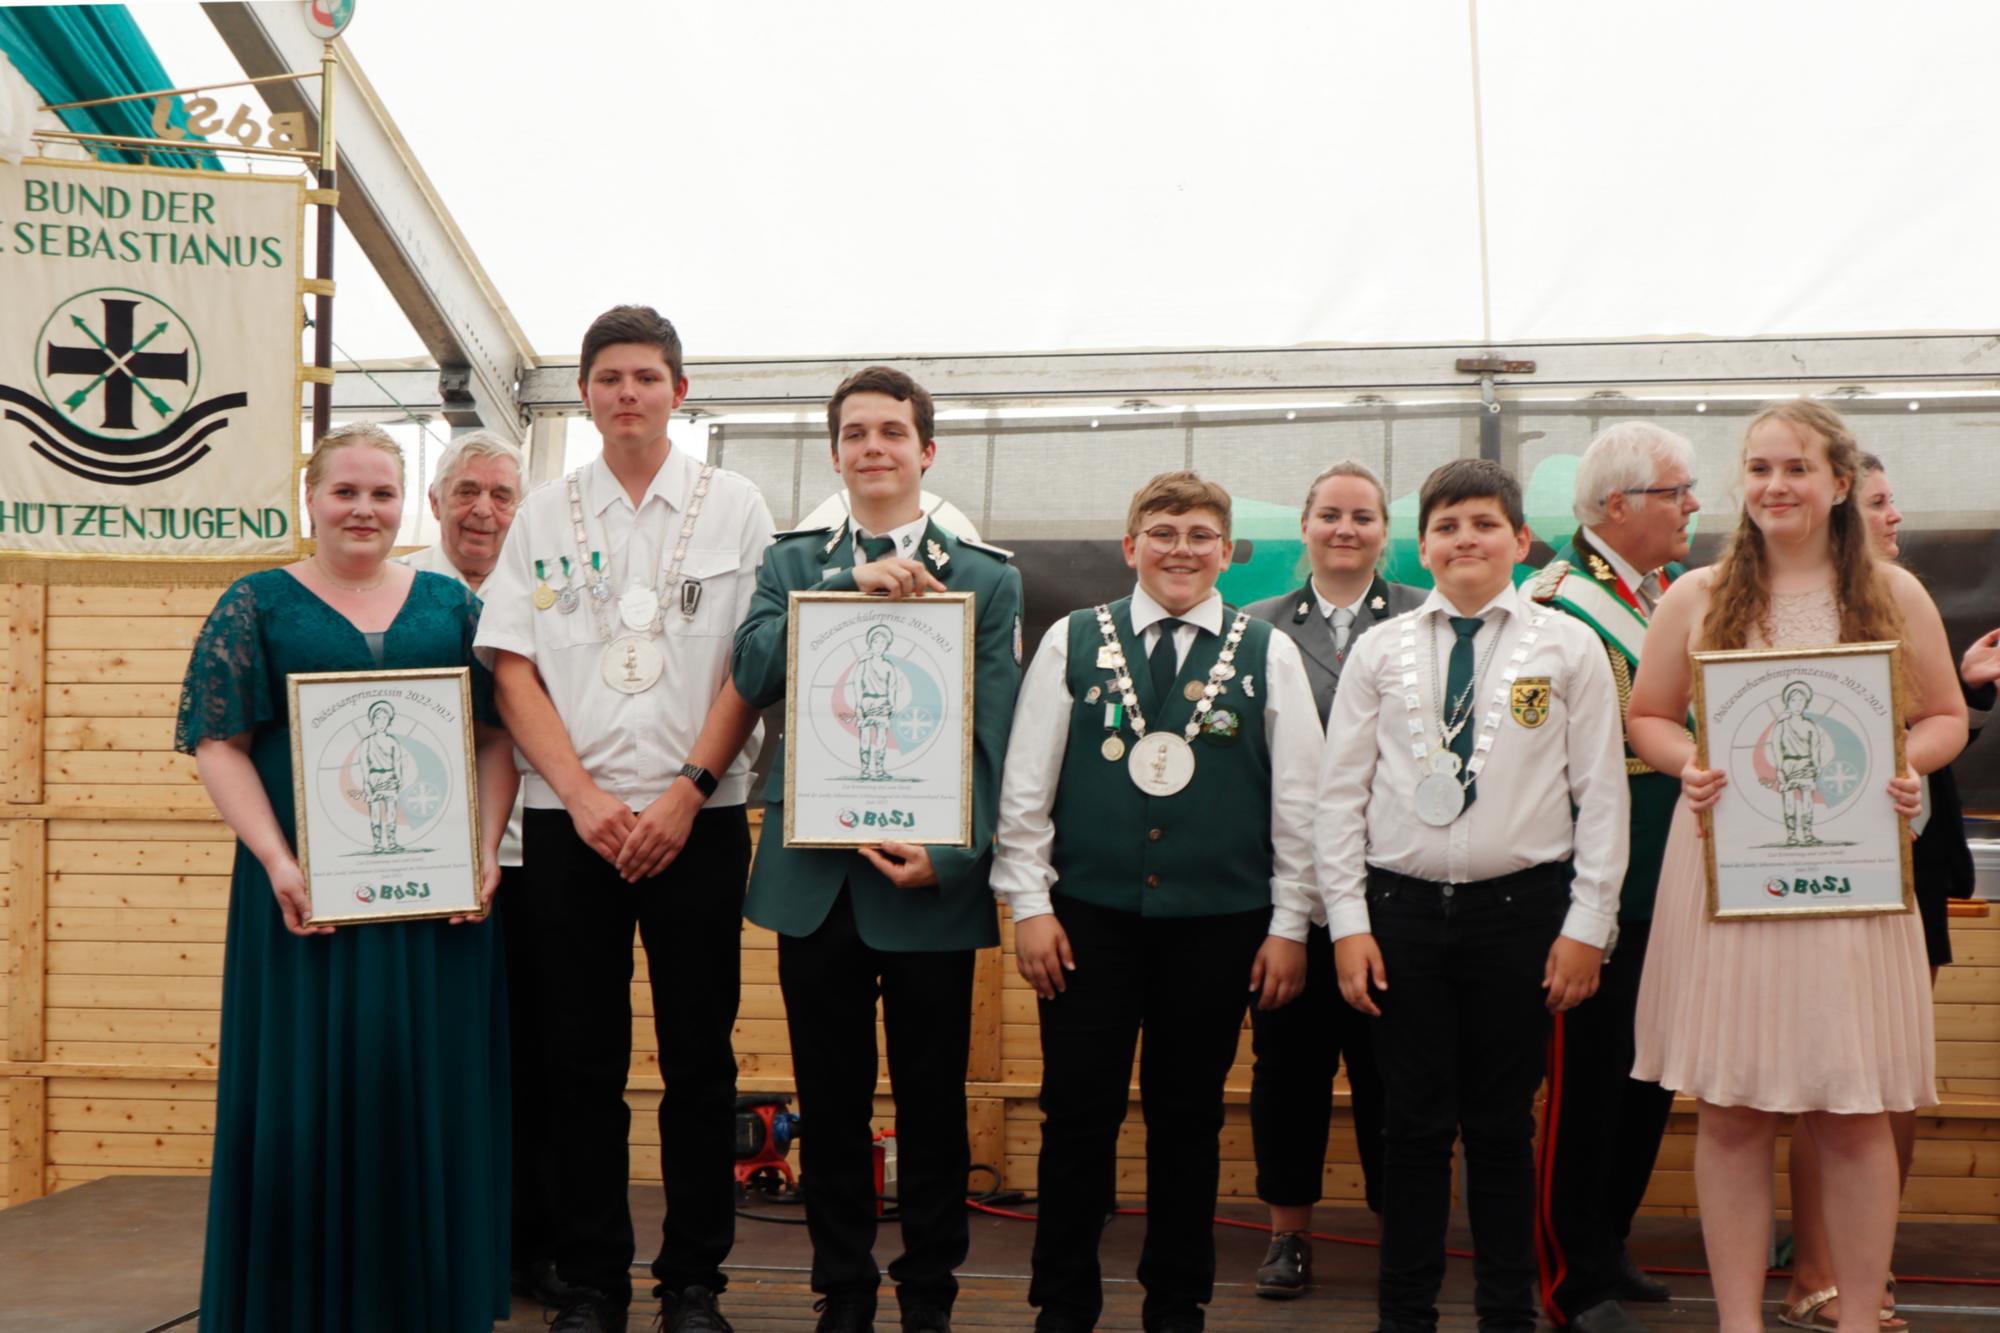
(1205, 850)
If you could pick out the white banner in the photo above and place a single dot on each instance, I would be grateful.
(149, 361)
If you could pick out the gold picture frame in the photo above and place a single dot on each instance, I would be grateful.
(1809, 739)
(381, 759)
(910, 695)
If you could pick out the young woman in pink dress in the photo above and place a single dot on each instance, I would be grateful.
(1824, 1017)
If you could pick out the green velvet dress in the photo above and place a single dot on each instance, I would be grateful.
(361, 1122)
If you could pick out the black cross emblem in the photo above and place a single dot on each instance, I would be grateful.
(118, 363)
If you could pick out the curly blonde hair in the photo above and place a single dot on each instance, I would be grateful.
(1739, 592)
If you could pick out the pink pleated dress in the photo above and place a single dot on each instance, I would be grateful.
(1818, 1014)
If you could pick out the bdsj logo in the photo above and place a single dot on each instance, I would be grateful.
(118, 371)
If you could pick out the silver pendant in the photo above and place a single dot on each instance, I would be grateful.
(631, 664)
(638, 608)
(600, 591)
(1161, 764)
(1447, 763)
(690, 597)
(567, 601)
(1440, 799)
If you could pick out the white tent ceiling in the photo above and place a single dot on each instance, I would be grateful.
(895, 177)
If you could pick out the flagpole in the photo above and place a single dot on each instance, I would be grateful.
(323, 301)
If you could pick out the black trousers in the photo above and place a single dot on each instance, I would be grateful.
(690, 919)
(1185, 981)
(1299, 1049)
(1600, 1136)
(1462, 1044)
(524, 913)
(831, 980)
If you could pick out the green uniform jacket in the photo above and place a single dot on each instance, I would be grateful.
(793, 888)
(1581, 582)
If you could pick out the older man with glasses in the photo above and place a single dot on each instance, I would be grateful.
(1601, 1129)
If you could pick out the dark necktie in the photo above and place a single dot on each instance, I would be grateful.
(1162, 664)
(877, 548)
(1457, 685)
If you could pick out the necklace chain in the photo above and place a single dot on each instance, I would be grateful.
(1461, 708)
(327, 574)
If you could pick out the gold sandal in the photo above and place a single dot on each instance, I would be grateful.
(1810, 1312)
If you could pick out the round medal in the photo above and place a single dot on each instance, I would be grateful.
(1440, 799)
(566, 601)
(638, 608)
(600, 591)
(1161, 764)
(1113, 748)
(631, 664)
(545, 597)
(1191, 691)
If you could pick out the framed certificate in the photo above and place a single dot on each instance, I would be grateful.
(1809, 740)
(878, 719)
(383, 785)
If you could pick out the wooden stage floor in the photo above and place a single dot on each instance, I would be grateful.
(123, 1255)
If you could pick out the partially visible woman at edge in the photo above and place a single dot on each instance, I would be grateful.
(1943, 867)
(1828, 1018)
(361, 1140)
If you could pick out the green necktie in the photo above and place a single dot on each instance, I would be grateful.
(1162, 664)
(1457, 687)
(877, 548)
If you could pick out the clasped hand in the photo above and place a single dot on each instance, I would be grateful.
(896, 576)
(639, 845)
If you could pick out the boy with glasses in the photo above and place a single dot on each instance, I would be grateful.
(1155, 851)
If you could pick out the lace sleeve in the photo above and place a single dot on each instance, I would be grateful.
(227, 691)
(483, 707)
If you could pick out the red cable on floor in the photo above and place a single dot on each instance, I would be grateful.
(1658, 1270)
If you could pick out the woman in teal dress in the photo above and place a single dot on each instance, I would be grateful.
(360, 1174)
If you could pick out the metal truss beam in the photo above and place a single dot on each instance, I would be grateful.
(391, 208)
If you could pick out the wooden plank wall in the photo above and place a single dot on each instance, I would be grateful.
(114, 881)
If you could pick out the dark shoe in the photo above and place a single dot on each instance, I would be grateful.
(1055, 1323)
(538, 1281)
(919, 1318)
(1287, 1271)
(845, 1314)
(583, 1313)
(1633, 1285)
(1606, 1317)
(693, 1311)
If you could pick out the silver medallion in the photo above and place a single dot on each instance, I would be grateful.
(638, 608)
(631, 664)
(566, 601)
(1447, 763)
(1440, 799)
(600, 591)
(1161, 764)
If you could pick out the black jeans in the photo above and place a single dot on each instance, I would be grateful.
(690, 919)
(1299, 1049)
(831, 980)
(1185, 980)
(1462, 1044)
(524, 920)
(1600, 1136)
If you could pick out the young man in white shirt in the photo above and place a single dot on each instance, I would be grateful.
(608, 623)
(1464, 911)
(1155, 850)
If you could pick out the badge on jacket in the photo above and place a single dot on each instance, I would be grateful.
(1529, 700)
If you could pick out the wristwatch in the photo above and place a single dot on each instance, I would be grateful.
(701, 778)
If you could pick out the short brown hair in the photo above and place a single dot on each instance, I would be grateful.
(885, 380)
(632, 324)
(1470, 479)
(346, 436)
(1177, 493)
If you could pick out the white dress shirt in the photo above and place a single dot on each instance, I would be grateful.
(1368, 776)
(905, 537)
(432, 559)
(632, 745)
(1023, 870)
(1327, 608)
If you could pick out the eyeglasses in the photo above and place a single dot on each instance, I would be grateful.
(1677, 492)
(1164, 540)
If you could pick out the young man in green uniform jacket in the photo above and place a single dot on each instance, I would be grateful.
(1634, 496)
(898, 920)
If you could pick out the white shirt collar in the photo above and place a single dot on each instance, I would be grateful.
(907, 537)
(1508, 599)
(1620, 566)
(670, 484)
(1146, 612)
(1326, 608)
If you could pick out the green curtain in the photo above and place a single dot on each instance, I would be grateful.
(72, 53)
